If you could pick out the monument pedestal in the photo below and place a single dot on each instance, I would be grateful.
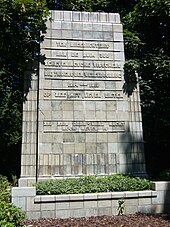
(77, 120)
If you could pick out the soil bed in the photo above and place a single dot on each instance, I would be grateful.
(135, 220)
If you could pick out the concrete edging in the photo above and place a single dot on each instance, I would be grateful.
(91, 204)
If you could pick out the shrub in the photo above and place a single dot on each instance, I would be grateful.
(10, 215)
(164, 175)
(92, 184)
(4, 189)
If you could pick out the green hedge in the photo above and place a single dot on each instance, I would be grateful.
(92, 184)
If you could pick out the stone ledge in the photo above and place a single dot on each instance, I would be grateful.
(161, 185)
(59, 15)
(95, 196)
(23, 191)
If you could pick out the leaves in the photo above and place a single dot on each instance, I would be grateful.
(21, 22)
(92, 184)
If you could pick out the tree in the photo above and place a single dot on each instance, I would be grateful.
(147, 43)
(20, 25)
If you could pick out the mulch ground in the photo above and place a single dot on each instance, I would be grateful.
(135, 220)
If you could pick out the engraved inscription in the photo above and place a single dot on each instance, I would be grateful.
(62, 64)
(93, 45)
(82, 95)
(69, 74)
(88, 85)
(83, 126)
(94, 55)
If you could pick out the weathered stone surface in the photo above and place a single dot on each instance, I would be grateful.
(77, 120)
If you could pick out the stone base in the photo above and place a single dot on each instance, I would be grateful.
(26, 181)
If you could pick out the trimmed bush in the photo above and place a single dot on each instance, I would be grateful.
(92, 184)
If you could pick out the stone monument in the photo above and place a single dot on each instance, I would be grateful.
(77, 120)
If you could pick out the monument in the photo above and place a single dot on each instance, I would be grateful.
(77, 120)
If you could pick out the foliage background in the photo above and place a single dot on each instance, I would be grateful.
(146, 36)
(20, 25)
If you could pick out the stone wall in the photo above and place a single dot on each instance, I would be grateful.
(97, 204)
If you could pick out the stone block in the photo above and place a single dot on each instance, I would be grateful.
(68, 137)
(62, 206)
(112, 138)
(118, 195)
(37, 199)
(80, 148)
(91, 137)
(48, 214)
(77, 35)
(85, 16)
(146, 193)
(130, 209)
(75, 205)
(66, 25)
(63, 214)
(68, 148)
(87, 26)
(77, 213)
(19, 202)
(104, 211)
(160, 199)
(48, 206)
(33, 214)
(76, 197)
(91, 148)
(131, 202)
(30, 205)
(144, 201)
(117, 28)
(114, 210)
(104, 203)
(23, 191)
(62, 198)
(88, 35)
(55, 25)
(112, 148)
(118, 36)
(146, 209)
(90, 204)
(103, 17)
(47, 198)
(102, 148)
(90, 196)
(107, 27)
(161, 185)
(91, 212)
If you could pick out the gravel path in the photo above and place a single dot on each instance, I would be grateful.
(135, 220)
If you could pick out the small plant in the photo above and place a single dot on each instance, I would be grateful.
(121, 206)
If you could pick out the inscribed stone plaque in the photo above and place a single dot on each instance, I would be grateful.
(86, 125)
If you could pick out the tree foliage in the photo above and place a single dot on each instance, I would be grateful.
(146, 38)
(20, 25)
(147, 42)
